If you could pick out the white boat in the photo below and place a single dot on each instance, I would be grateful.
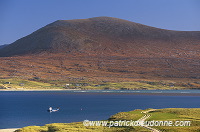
(53, 110)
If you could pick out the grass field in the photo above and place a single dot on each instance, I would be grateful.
(37, 83)
(15, 83)
(173, 114)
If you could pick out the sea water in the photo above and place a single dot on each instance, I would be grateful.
(25, 108)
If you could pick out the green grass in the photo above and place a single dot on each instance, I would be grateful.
(178, 114)
(33, 129)
(191, 114)
(162, 116)
(131, 115)
(132, 86)
(78, 127)
(60, 84)
(26, 84)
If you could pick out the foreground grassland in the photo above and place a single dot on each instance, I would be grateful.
(173, 114)
(39, 84)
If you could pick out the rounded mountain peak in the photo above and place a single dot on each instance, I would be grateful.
(98, 34)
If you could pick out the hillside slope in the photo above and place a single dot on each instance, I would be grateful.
(103, 35)
(103, 48)
(2, 46)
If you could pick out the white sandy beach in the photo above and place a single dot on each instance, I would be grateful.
(8, 130)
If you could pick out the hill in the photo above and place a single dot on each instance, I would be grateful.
(104, 34)
(103, 49)
(2, 46)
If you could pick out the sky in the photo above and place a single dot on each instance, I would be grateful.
(19, 18)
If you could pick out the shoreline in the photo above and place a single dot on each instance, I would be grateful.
(79, 91)
(8, 129)
(91, 89)
(39, 89)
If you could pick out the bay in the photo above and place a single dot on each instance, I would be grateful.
(25, 108)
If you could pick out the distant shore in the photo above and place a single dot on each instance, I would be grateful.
(38, 89)
(85, 91)
(24, 89)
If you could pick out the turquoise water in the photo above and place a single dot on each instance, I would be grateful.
(24, 108)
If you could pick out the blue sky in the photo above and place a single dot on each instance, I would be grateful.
(19, 18)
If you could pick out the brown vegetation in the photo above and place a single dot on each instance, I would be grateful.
(104, 49)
